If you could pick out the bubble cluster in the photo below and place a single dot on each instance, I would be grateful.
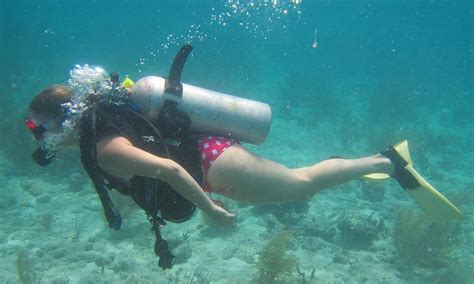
(85, 81)
(194, 33)
(259, 18)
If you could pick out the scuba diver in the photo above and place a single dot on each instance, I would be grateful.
(169, 145)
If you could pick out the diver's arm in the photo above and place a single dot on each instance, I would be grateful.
(118, 157)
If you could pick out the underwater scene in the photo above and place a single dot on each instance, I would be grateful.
(342, 79)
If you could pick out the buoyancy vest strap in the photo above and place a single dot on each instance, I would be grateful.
(111, 214)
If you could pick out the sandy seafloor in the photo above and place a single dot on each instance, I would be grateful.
(52, 228)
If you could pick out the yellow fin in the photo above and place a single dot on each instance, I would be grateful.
(436, 206)
(402, 149)
(375, 177)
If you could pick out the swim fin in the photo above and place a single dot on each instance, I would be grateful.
(375, 177)
(437, 207)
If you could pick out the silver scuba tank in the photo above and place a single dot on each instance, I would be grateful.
(210, 112)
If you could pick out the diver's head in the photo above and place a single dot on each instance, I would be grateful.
(46, 114)
(46, 111)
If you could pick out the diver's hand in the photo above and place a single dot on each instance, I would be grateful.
(221, 216)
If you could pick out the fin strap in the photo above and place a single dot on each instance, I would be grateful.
(404, 177)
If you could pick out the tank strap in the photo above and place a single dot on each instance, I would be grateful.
(173, 86)
(173, 121)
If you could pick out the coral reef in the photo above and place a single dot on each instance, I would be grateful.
(359, 230)
(373, 192)
(274, 263)
(196, 276)
(289, 213)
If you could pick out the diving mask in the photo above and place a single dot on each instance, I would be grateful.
(37, 130)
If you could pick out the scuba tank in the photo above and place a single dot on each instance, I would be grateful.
(210, 112)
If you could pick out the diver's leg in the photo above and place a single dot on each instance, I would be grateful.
(243, 176)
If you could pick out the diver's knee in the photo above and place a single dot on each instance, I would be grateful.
(305, 189)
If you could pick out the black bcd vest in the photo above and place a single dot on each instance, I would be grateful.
(168, 137)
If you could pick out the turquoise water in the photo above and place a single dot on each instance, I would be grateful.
(382, 71)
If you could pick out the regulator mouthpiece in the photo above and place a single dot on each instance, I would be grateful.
(42, 156)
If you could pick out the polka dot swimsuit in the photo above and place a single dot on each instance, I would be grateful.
(211, 147)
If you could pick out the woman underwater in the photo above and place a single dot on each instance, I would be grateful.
(170, 170)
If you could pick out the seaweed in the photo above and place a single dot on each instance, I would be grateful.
(421, 242)
(25, 268)
(274, 263)
(430, 249)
